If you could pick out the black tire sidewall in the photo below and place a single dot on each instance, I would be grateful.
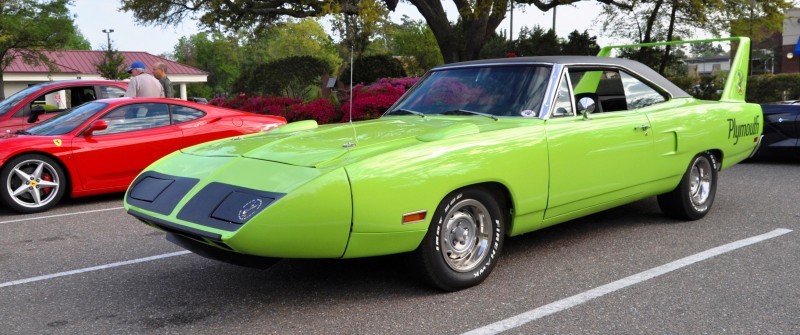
(436, 268)
(7, 169)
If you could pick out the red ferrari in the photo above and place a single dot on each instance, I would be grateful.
(100, 146)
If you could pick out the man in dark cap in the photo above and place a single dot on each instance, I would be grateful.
(143, 84)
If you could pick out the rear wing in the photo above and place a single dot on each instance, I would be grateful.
(736, 83)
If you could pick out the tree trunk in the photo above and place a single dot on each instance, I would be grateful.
(463, 41)
(648, 29)
(670, 31)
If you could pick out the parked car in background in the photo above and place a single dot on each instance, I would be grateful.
(781, 130)
(100, 146)
(48, 99)
(198, 100)
(474, 152)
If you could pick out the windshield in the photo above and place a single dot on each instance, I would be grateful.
(490, 90)
(16, 98)
(68, 121)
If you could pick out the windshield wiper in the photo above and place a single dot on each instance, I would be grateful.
(401, 111)
(469, 112)
(22, 132)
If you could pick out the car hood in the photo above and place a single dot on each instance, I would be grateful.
(306, 144)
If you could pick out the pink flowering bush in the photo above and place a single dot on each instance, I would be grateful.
(321, 110)
(369, 102)
(279, 106)
(218, 101)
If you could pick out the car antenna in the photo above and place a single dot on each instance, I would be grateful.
(355, 136)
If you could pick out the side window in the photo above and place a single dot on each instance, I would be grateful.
(135, 117)
(563, 103)
(616, 90)
(59, 100)
(181, 114)
(110, 92)
(638, 94)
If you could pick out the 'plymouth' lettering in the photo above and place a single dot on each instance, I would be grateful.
(739, 130)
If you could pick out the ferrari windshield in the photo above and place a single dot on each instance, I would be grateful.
(516, 90)
(16, 98)
(68, 121)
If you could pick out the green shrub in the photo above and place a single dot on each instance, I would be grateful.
(760, 88)
(291, 77)
(773, 87)
(369, 69)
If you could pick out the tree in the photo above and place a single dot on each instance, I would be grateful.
(370, 69)
(297, 75)
(651, 20)
(540, 42)
(458, 41)
(29, 27)
(415, 43)
(581, 44)
(293, 38)
(707, 50)
(758, 19)
(536, 42)
(77, 41)
(357, 27)
(112, 65)
(219, 55)
(304, 37)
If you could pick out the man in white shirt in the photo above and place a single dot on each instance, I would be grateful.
(143, 84)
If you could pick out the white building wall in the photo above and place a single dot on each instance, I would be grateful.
(791, 27)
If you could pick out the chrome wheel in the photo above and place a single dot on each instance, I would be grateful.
(694, 195)
(33, 183)
(700, 178)
(464, 239)
(465, 235)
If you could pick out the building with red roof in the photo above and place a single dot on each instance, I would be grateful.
(80, 64)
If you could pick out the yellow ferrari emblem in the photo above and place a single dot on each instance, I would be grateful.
(57, 142)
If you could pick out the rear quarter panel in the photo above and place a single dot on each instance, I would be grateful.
(693, 126)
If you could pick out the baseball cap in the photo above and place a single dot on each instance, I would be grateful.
(135, 65)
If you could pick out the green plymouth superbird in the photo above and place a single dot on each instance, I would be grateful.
(473, 153)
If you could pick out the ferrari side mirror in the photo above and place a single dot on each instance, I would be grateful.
(97, 125)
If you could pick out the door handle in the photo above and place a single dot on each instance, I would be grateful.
(644, 128)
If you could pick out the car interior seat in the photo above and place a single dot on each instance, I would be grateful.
(611, 95)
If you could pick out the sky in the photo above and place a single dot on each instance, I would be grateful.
(93, 16)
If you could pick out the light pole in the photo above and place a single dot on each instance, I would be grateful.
(108, 35)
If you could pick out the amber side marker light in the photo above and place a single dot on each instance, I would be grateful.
(414, 217)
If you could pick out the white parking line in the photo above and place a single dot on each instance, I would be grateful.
(575, 300)
(94, 268)
(60, 215)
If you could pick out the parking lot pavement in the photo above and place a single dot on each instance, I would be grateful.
(116, 275)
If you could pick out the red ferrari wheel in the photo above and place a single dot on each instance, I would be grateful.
(33, 183)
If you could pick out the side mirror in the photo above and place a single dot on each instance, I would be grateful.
(36, 110)
(97, 125)
(587, 104)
